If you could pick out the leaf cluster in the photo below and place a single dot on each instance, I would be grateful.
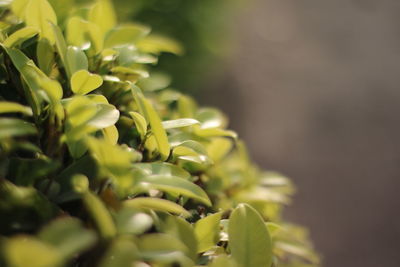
(103, 164)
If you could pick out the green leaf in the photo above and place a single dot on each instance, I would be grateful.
(103, 15)
(25, 251)
(61, 45)
(9, 107)
(76, 59)
(39, 14)
(157, 204)
(45, 56)
(179, 123)
(223, 261)
(100, 215)
(155, 123)
(125, 34)
(15, 127)
(122, 252)
(20, 36)
(162, 168)
(130, 221)
(215, 132)
(175, 185)
(207, 232)
(156, 44)
(68, 236)
(140, 123)
(111, 134)
(83, 82)
(18, 7)
(30, 74)
(249, 240)
(211, 118)
(76, 31)
(106, 116)
(114, 161)
(163, 248)
(183, 231)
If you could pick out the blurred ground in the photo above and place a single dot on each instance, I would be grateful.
(314, 89)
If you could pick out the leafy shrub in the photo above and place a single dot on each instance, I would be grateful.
(101, 164)
(197, 24)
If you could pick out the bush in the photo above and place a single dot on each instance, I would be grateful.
(198, 25)
(101, 164)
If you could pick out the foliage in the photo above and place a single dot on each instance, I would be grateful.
(101, 164)
(197, 25)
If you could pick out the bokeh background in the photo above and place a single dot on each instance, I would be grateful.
(313, 87)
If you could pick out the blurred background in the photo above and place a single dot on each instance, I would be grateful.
(313, 88)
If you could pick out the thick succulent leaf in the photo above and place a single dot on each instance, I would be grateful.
(175, 185)
(39, 14)
(249, 240)
(20, 36)
(207, 231)
(157, 204)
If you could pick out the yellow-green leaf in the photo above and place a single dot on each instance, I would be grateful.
(125, 34)
(207, 232)
(18, 7)
(179, 123)
(156, 44)
(83, 82)
(103, 15)
(39, 14)
(15, 127)
(45, 56)
(111, 134)
(76, 59)
(140, 123)
(25, 251)
(155, 123)
(20, 36)
(99, 213)
(249, 240)
(157, 204)
(175, 185)
(10, 107)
